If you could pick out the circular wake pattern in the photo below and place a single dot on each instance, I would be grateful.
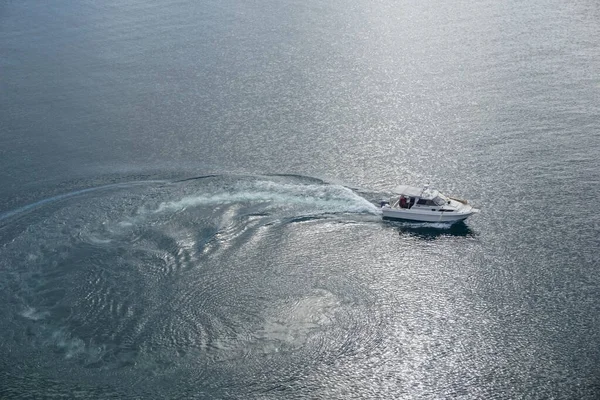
(178, 280)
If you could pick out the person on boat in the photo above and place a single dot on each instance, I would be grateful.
(402, 202)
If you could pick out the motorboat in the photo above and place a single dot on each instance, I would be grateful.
(425, 205)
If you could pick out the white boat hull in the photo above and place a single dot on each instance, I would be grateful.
(426, 216)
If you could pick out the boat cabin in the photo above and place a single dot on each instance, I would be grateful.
(409, 197)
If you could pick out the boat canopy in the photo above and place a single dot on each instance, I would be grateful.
(412, 191)
(408, 190)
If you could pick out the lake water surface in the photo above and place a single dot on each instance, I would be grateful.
(188, 198)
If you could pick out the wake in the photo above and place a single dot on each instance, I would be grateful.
(322, 198)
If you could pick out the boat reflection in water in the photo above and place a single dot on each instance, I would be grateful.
(431, 231)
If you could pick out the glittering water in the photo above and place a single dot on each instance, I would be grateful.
(188, 199)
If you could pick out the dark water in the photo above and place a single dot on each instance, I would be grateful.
(188, 188)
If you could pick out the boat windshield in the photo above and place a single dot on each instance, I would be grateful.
(439, 200)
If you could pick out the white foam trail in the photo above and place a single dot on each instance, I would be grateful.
(75, 347)
(324, 198)
(60, 197)
(33, 314)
